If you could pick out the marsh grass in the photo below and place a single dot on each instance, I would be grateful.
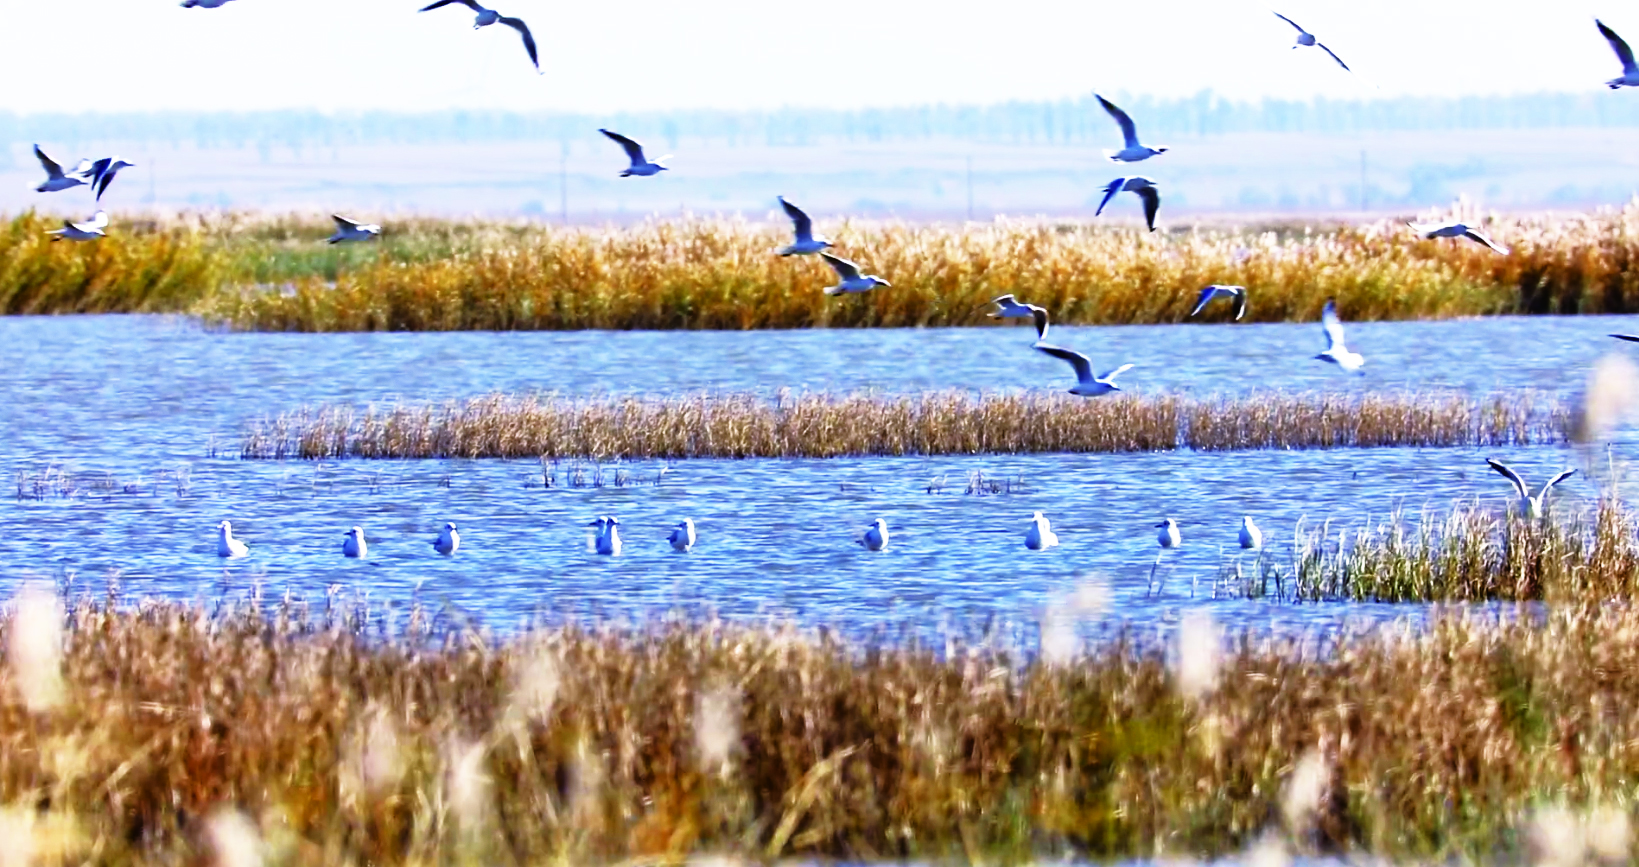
(347, 735)
(936, 423)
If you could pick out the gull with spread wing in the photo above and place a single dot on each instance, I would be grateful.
(1336, 351)
(1630, 70)
(1430, 231)
(1305, 38)
(86, 230)
(849, 277)
(102, 173)
(1217, 289)
(486, 17)
(1009, 308)
(641, 166)
(1528, 505)
(1132, 150)
(352, 230)
(1146, 190)
(56, 178)
(1087, 384)
(803, 228)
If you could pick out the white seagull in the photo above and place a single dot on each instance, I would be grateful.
(640, 166)
(1009, 308)
(1132, 151)
(608, 540)
(226, 545)
(1087, 384)
(56, 178)
(1040, 536)
(486, 17)
(1430, 231)
(875, 537)
(1146, 190)
(1306, 38)
(87, 230)
(1630, 70)
(1168, 537)
(103, 171)
(849, 278)
(1251, 536)
(348, 231)
(1336, 351)
(204, 4)
(448, 541)
(803, 228)
(682, 537)
(354, 545)
(1217, 289)
(1531, 506)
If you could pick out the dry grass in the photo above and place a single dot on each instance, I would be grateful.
(282, 732)
(820, 425)
(160, 269)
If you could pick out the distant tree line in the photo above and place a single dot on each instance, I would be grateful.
(1070, 121)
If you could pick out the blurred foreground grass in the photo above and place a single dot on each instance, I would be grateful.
(262, 272)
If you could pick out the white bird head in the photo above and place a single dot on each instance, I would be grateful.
(450, 526)
(356, 532)
(226, 527)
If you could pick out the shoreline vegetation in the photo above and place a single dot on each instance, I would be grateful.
(161, 731)
(274, 273)
(936, 423)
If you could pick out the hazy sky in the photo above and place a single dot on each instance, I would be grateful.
(133, 55)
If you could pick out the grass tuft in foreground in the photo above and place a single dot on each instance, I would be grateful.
(940, 423)
(159, 731)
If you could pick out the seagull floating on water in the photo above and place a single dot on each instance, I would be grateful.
(1251, 536)
(486, 17)
(56, 178)
(1132, 151)
(348, 231)
(1009, 308)
(682, 537)
(1305, 38)
(1146, 190)
(354, 545)
(448, 541)
(1430, 231)
(226, 545)
(1531, 506)
(875, 537)
(1217, 289)
(608, 539)
(1336, 351)
(1168, 537)
(1040, 536)
(849, 278)
(204, 4)
(641, 167)
(1630, 70)
(103, 171)
(803, 228)
(1087, 384)
(87, 230)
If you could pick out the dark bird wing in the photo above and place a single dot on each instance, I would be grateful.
(844, 268)
(804, 227)
(1240, 304)
(1623, 52)
(1109, 193)
(1554, 481)
(103, 180)
(1476, 235)
(634, 151)
(470, 4)
(1039, 314)
(1152, 204)
(1519, 483)
(1634, 338)
(1128, 132)
(1277, 15)
(529, 38)
(1334, 57)
(1083, 366)
(47, 163)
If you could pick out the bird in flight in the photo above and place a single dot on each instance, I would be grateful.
(803, 228)
(1009, 308)
(849, 277)
(1306, 38)
(486, 17)
(1630, 70)
(1146, 190)
(641, 166)
(1131, 151)
(352, 230)
(1088, 384)
(1431, 231)
(56, 178)
(1336, 351)
(1217, 289)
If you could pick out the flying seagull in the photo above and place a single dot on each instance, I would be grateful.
(1307, 38)
(849, 278)
(1529, 505)
(1216, 289)
(448, 541)
(1087, 384)
(486, 17)
(1132, 151)
(88, 230)
(1336, 352)
(640, 166)
(801, 226)
(1630, 70)
(103, 171)
(352, 230)
(682, 537)
(1008, 308)
(56, 178)
(1040, 536)
(875, 537)
(1146, 190)
(1456, 230)
(228, 547)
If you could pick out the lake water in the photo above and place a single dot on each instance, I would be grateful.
(127, 409)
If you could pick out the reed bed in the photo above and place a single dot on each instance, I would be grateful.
(156, 270)
(937, 423)
(165, 732)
